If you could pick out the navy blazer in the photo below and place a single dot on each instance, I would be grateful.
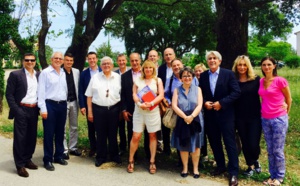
(127, 102)
(16, 90)
(227, 92)
(162, 73)
(84, 81)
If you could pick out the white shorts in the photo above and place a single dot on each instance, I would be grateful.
(150, 119)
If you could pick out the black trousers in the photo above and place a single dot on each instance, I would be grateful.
(216, 130)
(250, 134)
(122, 135)
(91, 133)
(106, 125)
(25, 132)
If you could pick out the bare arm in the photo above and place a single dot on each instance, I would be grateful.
(288, 98)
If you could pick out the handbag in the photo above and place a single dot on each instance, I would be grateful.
(163, 105)
(169, 119)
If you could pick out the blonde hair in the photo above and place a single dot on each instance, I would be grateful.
(250, 72)
(148, 63)
(200, 65)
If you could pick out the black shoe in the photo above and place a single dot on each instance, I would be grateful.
(249, 172)
(218, 171)
(196, 176)
(257, 167)
(75, 152)
(117, 159)
(184, 175)
(49, 166)
(66, 156)
(61, 161)
(98, 163)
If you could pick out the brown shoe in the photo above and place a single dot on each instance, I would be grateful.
(22, 172)
(31, 165)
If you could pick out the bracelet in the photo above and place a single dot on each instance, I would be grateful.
(152, 103)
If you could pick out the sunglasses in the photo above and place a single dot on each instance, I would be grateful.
(107, 92)
(29, 60)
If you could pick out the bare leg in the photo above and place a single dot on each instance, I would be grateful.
(184, 158)
(195, 158)
(134, 144)
(152, 146)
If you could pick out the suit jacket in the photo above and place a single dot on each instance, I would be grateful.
(76, 75)
(84, 81)
(162, 73)
(16, 90)
(226, 92)
(127, 102)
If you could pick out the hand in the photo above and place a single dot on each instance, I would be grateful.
(284, 106)
(126, 115)
(44, 115)
(217, 106)
(188, 119)
(208, 105)
(83, 111)
(90, 117)
(144, 106)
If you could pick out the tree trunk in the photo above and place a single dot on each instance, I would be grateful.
(231, 29)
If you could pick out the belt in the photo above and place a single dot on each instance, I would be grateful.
(108, 107)
(28, 105)
(70, 100)
(56, 102)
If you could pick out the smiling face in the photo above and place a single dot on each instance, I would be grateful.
(169, 55)
(213, 62)
(242, 68)
(29, 62)
(68, 62)
(135, 61)
(57, 60)
(122, 62)
(186, 78)
(176, 66)
(198, 71)
(106, 66)
(153, 56)
(92, 60)
(267, 67)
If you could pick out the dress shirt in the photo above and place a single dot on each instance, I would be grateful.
(213, 77)
(51, 86)
(93, 72)
(169, 72)
(104, 91)
(123, 72)
(31, 94)
(136, 75)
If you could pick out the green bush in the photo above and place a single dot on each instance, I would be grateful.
(292, 61)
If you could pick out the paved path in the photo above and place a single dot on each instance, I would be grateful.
(81, 172)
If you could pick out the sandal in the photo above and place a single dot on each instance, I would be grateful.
(152, 168)
(269, 181)
(276, 182)
(130, 167)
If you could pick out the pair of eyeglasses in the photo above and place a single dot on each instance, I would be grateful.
(107, 92)
(58, 58)
(29, 60)
(186, 76)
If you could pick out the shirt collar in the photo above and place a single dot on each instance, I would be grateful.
(216, 72)
(26, 71)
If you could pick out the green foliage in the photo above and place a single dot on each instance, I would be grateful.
(192, 60)
(292, 61)
(278, 50)
(106, 50)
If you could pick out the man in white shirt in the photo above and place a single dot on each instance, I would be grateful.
(52, 100)
(21, 95)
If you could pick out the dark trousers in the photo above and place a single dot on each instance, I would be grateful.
(250, 134)
(204, 147)
(166, 139)
(54, 127)
(217, 129)
(91, 133)
(106, 125)
(25, 131)
(147, 144)
(122, 135)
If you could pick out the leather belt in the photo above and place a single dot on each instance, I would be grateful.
(56, 102)
(108, 107)
(28, 105)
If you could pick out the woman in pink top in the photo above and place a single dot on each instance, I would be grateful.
(275, 106)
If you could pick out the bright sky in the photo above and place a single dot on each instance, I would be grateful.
(62, 19)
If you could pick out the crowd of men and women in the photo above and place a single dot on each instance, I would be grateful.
(213, 103)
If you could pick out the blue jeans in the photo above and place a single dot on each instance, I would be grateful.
(275, 133)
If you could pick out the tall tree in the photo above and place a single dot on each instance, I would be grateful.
(7, 25)
(183, 26)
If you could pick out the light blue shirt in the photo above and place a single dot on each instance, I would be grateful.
(176, 83)
(213, 77)
(51, 86)
(93, 72)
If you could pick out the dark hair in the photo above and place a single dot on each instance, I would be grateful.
(90, 53)
(69, 55)
(186, 69)
(29, 54)
(176, 59)
(274, 63)
(121, 55)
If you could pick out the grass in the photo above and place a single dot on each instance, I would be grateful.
(292, 148)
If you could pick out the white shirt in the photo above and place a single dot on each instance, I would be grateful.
(169, 72)
(104, 91)
(31, 94)
(51, 86)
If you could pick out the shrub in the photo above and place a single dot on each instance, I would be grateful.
(292, 61)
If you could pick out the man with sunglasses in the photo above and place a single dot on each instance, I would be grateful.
(21, 95)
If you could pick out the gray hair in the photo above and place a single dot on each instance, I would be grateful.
(215, 53)
(57, 53)
(105, 58)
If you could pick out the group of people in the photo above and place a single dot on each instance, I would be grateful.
(213, 103)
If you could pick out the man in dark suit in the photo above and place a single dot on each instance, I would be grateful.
(220, 89)
(127, 103)
(122, 61)
(165, 72)
(84, 81)
(21, 95)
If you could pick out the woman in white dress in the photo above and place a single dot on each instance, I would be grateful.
(146, 113)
